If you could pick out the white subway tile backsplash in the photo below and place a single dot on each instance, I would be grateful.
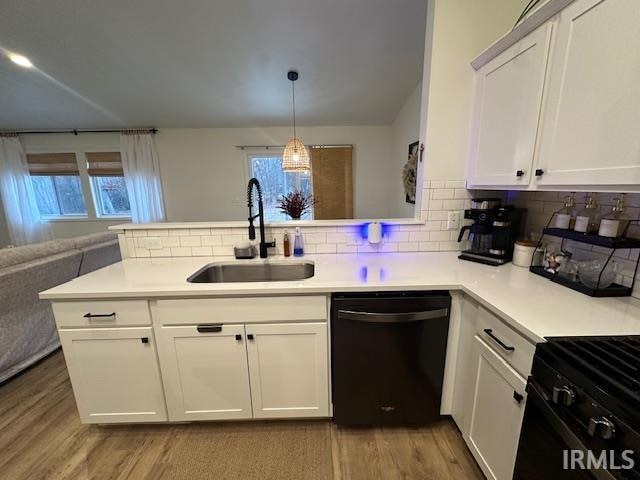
(419, 236)
(190, 241)
(202, 251)
(326, 248)
(181, 252)
(170, 241)
(439, 197)
(211, 240)
(442, 193)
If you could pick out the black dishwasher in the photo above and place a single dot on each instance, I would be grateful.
(388, 351)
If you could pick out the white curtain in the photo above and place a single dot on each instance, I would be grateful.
(142, 175)
(18, 196)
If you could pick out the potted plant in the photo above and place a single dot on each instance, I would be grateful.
(295, 204)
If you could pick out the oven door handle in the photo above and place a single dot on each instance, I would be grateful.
(392, 317)
(561, 428)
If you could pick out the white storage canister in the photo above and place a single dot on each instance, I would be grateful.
(523, 252)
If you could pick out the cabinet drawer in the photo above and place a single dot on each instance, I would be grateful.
(240, 310)
(130, 313)
(509, 344)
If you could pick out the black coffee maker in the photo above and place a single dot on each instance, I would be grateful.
(493, 232)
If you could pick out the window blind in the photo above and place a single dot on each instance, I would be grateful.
(52, 164)
(104, 164)
(331, 170)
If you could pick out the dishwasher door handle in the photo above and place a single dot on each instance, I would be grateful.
(392, 317)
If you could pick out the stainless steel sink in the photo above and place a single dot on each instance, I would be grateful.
(253, 272)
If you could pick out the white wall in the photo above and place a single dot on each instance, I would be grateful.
(461, 30)
(405, 131)
(204, 179)
(203, 173)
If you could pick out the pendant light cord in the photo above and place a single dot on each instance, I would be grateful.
(293, 90)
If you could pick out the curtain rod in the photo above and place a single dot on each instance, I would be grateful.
(242, 147)
(78, 131)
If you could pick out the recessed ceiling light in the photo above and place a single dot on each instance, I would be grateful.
(20, 60)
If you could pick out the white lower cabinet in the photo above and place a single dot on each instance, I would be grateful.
(496, 414)
(115, 375)
(205, 372)
(224, 372)
(288, 368)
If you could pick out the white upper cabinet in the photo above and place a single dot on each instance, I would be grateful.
(288, 366)
(506, 110)
(591, 116)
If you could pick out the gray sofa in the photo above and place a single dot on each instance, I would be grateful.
(27, 327)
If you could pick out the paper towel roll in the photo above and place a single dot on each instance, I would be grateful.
(374, 233)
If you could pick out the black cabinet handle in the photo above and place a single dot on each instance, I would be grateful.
(100, 315)
(212, 328)
(539, 172)
(517, 397)
(489, 332)
(238, 337)
(250, 336)
(144, 339)
(520, 173)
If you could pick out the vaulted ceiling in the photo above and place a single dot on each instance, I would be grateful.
(207, 63)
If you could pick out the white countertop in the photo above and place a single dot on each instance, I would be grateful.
(533, 305)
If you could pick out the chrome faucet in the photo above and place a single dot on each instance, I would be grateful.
(252, 230)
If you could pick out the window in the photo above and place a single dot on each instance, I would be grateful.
(56, 181)
(267, 168)
(108, 185)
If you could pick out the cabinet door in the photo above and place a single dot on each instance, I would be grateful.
(506, 112)
(496, 415)
(205, 374)
(466, 365)
(114, 373)
(591, 116)
(289, 372)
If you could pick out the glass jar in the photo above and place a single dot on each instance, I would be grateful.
(587, 218)
(566, 217)
(614, 223)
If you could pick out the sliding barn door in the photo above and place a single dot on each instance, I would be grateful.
(331, 169)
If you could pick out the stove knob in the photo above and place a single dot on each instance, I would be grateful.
(602, 427)
(563, 396)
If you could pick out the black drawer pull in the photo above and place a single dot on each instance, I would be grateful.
(520, 173)
(238, 337)
(144, 339)
(489, 332)
(212, 328)
(517, 397)
(250, 336)
(100, 315)
(539, 172)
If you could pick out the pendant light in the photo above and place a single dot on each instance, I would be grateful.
(295, 158)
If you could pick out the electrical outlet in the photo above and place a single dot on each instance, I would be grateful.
(153, 243)
(453, 220)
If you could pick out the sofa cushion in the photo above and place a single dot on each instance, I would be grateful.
(28, 253)
(99, 255)
(26, 322)
(93, 239)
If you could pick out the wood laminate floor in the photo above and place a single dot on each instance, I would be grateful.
(41, 437)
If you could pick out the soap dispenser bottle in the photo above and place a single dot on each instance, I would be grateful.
(286, 244)
(298, 249)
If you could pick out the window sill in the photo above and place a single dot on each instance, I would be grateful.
(85, 219)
